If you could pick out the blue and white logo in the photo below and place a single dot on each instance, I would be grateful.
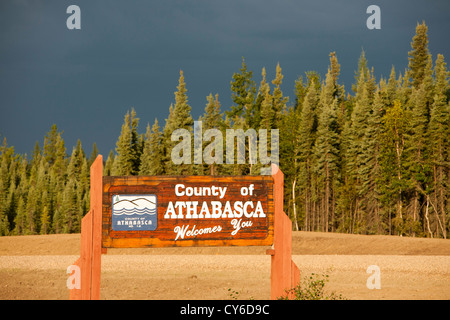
(134, 212)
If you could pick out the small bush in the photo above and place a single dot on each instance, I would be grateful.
(312, 288)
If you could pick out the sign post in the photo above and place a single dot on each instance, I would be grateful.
(284, 272)
(182, 211)
(91, 241)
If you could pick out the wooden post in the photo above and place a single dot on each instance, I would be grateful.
(75, 294)
(96, 209)
(86, 256)
(284, 273)
(91, 240)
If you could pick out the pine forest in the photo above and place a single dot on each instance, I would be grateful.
(372, 159)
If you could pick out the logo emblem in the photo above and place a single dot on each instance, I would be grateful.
(134, 212)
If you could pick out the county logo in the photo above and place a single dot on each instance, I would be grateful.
(134, 212)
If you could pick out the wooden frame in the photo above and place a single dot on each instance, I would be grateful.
(96, 227)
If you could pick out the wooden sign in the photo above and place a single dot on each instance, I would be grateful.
(165, 211)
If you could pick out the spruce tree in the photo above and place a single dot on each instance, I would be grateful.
(152, 155)
(179, 118)
(438, 143)
(393, 182)
(418, 56)
(31, 211)
(328, 144)
(20, 218)
(94, 154)
(260, 97)
(45, 221)
(327, 150)
(370, 166)
(391, 89)
(289, 152)
(300, 93)
(107, 170)
(70, 206)
(76, 161)
(358, 155)
(83, 191)
(212, 120)
(268, 116)
(307, 136)
(50, 147)
(125, 161)
(136, 143)
(212, 116)
(279, 102)
(60, 164)
(5, 178)
(243, 91)
(362, 69)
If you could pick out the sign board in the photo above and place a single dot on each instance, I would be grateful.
(165, 211)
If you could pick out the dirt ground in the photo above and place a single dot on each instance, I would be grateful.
(34, 267)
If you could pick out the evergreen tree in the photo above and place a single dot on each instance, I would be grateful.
(268, 115)
(94, 154)
(76, 161)
(50, 142)
(136, 143)
(152, 156)
(83, 191)
(391, 89)
(107, 170)
(59, 166)
(279, 102)
(358, 154)
(5, 157)
(179, 118)
(212, 116)
(45, 221)
(289, 151)
(419, 103)
(307, 136)
(212, 120)
(370, 167)
(327, 147)
(31, 211)
(418, 56)
(439, 145)
(300, 93)
(327, 163)
(243, 94)
(20, 218)
(395, 124)
(125, 161)
(362, 70)
(260, 97)
(70, 207)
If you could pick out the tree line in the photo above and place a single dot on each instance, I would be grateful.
(372, 162)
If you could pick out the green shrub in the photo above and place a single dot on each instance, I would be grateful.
(311, 288)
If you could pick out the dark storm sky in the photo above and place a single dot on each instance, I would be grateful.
(129, 53)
